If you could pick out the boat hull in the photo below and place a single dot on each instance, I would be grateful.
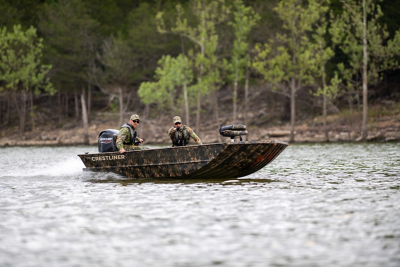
(226, 160)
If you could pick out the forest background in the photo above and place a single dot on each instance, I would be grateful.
(292, 70)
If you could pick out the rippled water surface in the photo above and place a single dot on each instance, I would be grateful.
(315, 205)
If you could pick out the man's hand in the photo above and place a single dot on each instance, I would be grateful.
(141, 141)
(122, 150)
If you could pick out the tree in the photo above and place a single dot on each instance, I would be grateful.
(148, 44)
(207, 15)
(21, 68)
(170, 75)
(70, 46)
(162, 29)
(112, 76)
(244, 19)
(360, 36)
(21, 12)
(328, 92)
(290, 63)
(323, 53)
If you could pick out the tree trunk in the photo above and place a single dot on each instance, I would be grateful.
(324, 103)
(121, 106)
(21, 109)
(186, 101)
(89, 105)
(365, 79)
(84, 118)
(185, 83)
(66, 104)
(147, 111)
(325, 129)
(292, 110)
(32, 113)
(350, 103)
(23, 113)
(293, 91)
(235, 85)
(285, 113)
(22, 119)
(60, 109)
(359, 106)
(246, 97)
(172, 104)
(8, 110)
(76, 105)
(199, 94)
(203, 23)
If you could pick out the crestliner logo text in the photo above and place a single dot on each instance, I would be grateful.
(108, 157)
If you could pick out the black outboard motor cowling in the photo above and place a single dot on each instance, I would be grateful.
(107, 140)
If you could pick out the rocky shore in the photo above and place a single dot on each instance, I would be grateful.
(71, 134)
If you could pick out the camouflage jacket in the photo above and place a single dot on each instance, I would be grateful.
(124, 137)
(189, 134)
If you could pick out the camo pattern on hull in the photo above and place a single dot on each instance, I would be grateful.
(227, 160)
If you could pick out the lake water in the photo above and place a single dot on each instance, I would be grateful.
(315, 205)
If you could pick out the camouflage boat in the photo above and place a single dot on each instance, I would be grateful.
(223, 160)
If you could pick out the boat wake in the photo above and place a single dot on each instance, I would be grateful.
(68, 167)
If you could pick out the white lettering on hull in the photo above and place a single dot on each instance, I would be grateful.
(108, 158)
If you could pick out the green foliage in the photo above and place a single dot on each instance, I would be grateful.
(323, 53)
(111, 15)
(391, 18)
(244, 19)
(203, 35)
(9, 15)
(21, 12)
(291, 57)
(362, 39)
(330, 91)
(123, 43)
(116, 64)
(347, 33)
(148, 45)
(71, 40)
(20, 61)
(114, 105)
(169, 77)
(289, 62)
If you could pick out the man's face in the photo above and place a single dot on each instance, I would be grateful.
(177, 124)
(134, 123)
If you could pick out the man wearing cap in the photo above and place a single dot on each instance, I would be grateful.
(181, 134)
(127, 136)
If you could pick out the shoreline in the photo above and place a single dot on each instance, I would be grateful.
(309, 137)
(154, 132)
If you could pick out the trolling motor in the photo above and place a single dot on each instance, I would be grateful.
(233, 130)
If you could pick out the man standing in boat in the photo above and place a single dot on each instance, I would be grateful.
(128, 135)
(180, 134)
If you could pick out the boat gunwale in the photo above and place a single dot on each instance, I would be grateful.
(191, 146)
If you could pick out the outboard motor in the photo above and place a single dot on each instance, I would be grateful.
(107, 140)
(233, 130)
